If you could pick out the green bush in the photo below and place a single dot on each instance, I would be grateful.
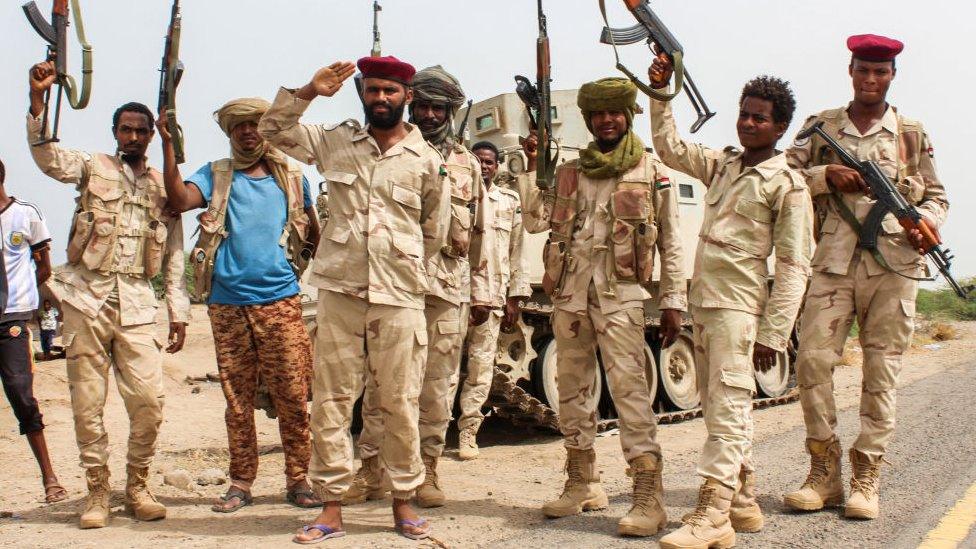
(945, 304)
(157, 281)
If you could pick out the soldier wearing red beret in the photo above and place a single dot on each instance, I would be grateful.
(877, 287)
(388, 209)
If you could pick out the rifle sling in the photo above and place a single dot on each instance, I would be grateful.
(867, 234)
(678, 65)
(75, 99)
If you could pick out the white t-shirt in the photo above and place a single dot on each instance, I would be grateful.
(22, 230)
(49, 319)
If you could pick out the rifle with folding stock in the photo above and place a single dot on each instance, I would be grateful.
(538, 104)
(55, 34)
(651, 29)
(889, 200)
(170, 74)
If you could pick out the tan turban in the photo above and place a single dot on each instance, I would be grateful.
(251, 109)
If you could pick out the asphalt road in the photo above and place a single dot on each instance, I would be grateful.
(932, 465)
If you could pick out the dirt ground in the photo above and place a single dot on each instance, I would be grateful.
(492, 500)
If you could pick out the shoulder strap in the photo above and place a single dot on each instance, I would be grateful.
(223, 177)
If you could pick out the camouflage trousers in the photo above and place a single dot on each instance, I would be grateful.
(94, 346)
(446, 324)
(395, 340)
(884, 306)
(723, 340)
(269, 342)
(620, 338)
(482, 346)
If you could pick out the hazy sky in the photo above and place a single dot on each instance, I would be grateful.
(236, 48)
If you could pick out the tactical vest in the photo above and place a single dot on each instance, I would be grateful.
(98, 229)
(463, 204)
(633, 228)
(213, 226)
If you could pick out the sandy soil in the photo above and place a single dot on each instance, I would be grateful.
(493, 499)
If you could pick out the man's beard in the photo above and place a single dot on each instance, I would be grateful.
(385, 121)
(609, 144)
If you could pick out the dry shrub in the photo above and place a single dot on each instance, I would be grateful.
(940, 331)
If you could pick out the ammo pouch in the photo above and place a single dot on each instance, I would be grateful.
(459, 231)
(155, 248)
(202, 257)
(81, 232)
(554, 261)
(298, 251)
(633, 234)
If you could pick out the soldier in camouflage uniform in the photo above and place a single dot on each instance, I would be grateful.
(389, 210)
(498, 288)
(755, 207)
(121, 236)
(606, 214)
(878, 289)
(258, 221)
(436, 97)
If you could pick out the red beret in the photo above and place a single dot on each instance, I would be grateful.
(387, 68)
(871, 47)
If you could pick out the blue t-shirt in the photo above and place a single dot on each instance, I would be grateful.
(250, 267)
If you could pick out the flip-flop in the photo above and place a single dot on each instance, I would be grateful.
(419, 523)
(54, 493)
(327, 533)
(294, 495)
(233, 492)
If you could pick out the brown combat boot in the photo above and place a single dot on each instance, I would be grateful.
(745, 514)
(468, 443)
(708, 526)
(429, 493)
(582, 491)
(823, 487)
(138, 499)
(646, 516)
(368, 483)
(865, 485)
(96, 504)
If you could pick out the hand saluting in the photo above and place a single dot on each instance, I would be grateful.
(328, 80)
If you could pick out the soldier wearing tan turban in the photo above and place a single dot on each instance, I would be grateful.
(256, 234)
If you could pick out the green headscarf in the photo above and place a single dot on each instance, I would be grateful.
(610, 94)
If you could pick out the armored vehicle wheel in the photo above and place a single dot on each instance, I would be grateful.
(679, 382)
(776, 381)
(544, 377)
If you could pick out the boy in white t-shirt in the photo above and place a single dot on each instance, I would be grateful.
(26, 262)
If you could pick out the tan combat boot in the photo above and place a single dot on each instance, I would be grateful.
(646, 516)
(745, 514)
(368, 483)
(429, 493)
(709, 525)
(865, 484)
(96, 504)
(138, 499)
(468, 443)
(823, 487)
(582, 491)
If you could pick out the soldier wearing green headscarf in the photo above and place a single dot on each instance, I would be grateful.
(607, 214)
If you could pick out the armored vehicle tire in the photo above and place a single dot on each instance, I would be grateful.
(776, 381)
(678, 379)
(544, 376)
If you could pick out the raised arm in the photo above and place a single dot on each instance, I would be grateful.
(65, 165)
(280, 125)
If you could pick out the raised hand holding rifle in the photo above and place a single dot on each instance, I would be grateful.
(538, 104)
(171, 72)
(651, 29)
(922, 234)
(55, 34)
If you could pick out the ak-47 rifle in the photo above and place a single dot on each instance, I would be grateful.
(170, 74)
(464, 123)
(377, 49)
(651, 29)
(538, 105)
(55, 34)
(888, 200)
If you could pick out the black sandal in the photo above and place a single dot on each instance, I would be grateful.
(303, 491)
(243, 498)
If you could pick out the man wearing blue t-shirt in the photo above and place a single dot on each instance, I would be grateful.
(258, 229)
